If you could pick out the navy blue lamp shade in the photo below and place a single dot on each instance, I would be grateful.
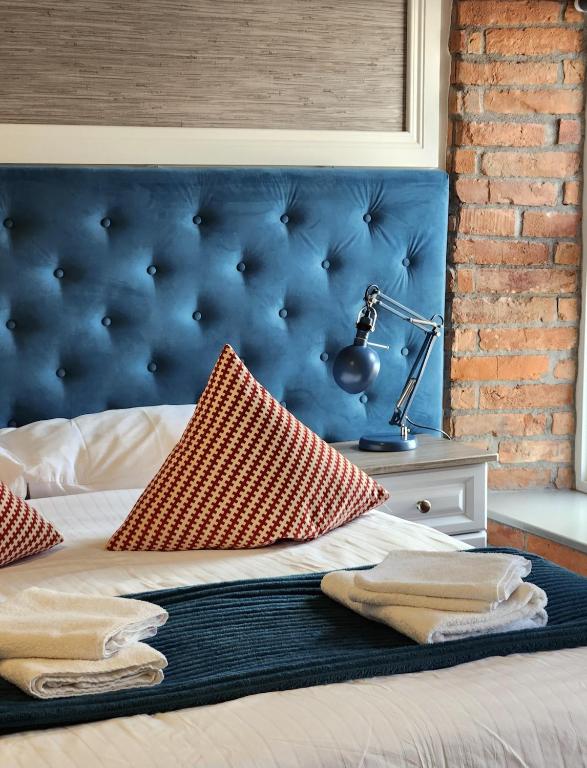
(356, 367)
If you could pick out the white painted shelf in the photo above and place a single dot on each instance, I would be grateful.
(557, 515)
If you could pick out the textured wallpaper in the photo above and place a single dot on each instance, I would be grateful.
(306, 64)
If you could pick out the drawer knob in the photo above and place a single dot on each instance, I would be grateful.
(424, 506)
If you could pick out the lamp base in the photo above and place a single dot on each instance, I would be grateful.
(383, 441)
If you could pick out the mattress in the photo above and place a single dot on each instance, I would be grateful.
(521, 710)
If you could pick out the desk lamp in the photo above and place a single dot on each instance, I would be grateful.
(356, 367)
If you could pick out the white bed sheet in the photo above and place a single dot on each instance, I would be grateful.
(523, 710)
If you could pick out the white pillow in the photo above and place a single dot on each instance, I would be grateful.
(96, 452)
(11, 470)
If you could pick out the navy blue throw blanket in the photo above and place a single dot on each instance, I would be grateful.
(224, 641)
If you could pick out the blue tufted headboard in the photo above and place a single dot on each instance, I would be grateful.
(119, 286)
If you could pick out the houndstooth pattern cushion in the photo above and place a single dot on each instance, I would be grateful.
(246, 473)
(23, 531)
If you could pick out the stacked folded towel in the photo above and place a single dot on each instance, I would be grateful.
(433, 597)
(55, 644)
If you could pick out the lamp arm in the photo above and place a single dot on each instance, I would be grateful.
(374, 296)
(431, 327)
(421, 323)
(414, 377)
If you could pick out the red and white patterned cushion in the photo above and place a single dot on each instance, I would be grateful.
(246, 473)
(23, 531)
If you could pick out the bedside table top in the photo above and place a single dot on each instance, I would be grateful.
(431, 453)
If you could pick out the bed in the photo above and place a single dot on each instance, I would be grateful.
(77, 248)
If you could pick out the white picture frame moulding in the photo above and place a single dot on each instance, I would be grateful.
(423, 144)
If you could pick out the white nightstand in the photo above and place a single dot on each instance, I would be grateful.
(443, 483)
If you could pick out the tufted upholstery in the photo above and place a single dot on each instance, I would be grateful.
(119, 286)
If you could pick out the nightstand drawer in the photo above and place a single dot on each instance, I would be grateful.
(451, 500)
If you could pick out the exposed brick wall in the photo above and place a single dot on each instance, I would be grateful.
(515, 155)
(499, 535)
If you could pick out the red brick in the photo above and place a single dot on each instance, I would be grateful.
(498, 424)
(462, 41)
(499, 535)
(464, 161)
(504, 310)
(501, 134)
(473, 101)
(563, 423)
(574, 70)
(464, 282)
(451, 280)
(553, 164)
(565, 477)
(472, 190)
(507, 12)
(476, 42)
(522, 451)
(505, 73)
(463, 398)
(514, 367)
(455, 104)
(567, 253)
(522, 367)
(473, 368)
(566, 369)
(532, 42)
(487, 221)
(569, 132)
(458, 41)
(550, 224)
(460, 281)
(522, 339)
(514, 102)
(523, 192)
(572, 15)
(569, 558)
(513, 478)
(450, 123)
(499, 252)
(525, 280)
(568, 310)
(464, 340)
(504, 397)
(450, 153)
(571, 193)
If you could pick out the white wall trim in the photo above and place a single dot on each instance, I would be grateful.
(421, 145)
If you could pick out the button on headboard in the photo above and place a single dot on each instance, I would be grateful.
(119, 286)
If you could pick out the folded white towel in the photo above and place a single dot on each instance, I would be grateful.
(360, 595)
(138, 666)
(524, 609)
(42, 623)
(490, 576)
